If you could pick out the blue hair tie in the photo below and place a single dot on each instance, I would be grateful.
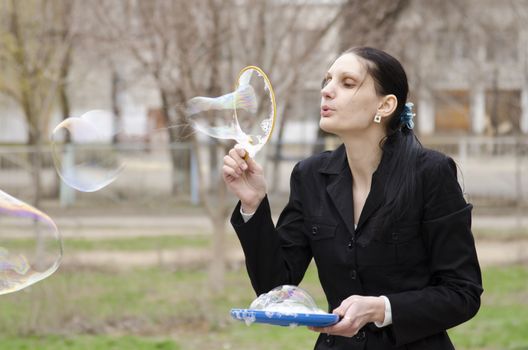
(407, 115)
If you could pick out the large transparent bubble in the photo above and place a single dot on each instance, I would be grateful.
(286, 299)
(285, 306)
(246, 115)
(30, 245)
(81, 152)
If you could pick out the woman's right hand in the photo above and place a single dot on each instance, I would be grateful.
(245, 178)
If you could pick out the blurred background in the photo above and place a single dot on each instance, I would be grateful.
(150, 261)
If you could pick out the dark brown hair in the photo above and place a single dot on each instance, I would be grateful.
(401, 148)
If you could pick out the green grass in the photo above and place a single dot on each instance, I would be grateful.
(138, 243)
(168, 242)
(501, 322)
(157, 308)
(149, 301)
(91, 300)
(128, 243)
(87, 343)
(509, 233)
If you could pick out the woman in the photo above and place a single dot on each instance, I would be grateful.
(384, 218)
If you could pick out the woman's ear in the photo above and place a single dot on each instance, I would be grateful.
(388, 105)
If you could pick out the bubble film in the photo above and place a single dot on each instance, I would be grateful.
(82, 152)
(286, 299)
(246, 115)
(30, 245)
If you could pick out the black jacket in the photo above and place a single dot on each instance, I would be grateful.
(426, 264)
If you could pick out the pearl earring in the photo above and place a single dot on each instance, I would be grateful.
(377, 118)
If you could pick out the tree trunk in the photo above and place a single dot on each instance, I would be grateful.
(116, 108)
(65, 111)
(219, 215)
(175, 156)
(277, 157)
(319, 145)
(36, 166)
(216, 209)
(213, 163)
(217, 267)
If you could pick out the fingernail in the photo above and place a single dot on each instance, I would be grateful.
(244, 166)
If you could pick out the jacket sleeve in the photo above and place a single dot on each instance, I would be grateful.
(453, 294)
(275, 256)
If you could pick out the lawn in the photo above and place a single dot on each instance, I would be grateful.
(127, 243)
(159, 308)
(87, 342)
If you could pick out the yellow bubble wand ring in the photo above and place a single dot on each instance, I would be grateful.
(272, 96)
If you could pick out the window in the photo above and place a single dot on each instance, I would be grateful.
(452, 111)
(502, 46)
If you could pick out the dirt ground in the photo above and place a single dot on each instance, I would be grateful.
(94, 222)
(491, 250)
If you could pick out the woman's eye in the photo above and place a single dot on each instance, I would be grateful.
(348, 84)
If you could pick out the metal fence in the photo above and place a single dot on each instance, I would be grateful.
(490, 169)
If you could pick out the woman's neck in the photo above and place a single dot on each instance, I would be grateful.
(364, 155)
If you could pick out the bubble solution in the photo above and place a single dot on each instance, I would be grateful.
(83, 154)
(30, 245)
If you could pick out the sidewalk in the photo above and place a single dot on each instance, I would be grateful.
(496, 249)
(148, 225)
(491, 251)
(120, 222)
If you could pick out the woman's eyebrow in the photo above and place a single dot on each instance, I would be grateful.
(350, 76)
(344, 74)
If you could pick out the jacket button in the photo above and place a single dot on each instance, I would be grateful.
(350, 245)
(353, 274)
(360, 336)
(329, 340)
(314, 230)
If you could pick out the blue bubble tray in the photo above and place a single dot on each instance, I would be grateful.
(284, 319)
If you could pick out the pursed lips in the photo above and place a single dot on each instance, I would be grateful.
(326, 110)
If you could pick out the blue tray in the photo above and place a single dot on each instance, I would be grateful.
(284, 319)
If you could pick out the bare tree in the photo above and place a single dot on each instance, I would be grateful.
(461, 44)
(196, 48)
(366, 23)
(370, 23)
(34, 50)
(304, 44)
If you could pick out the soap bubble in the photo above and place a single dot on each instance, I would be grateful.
(30, 245)
(286, 299)
(82, 154)
(246, 115)
(285, 306)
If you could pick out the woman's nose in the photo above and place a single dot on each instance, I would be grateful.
(328, 91)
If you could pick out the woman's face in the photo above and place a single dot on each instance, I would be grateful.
(349, 100)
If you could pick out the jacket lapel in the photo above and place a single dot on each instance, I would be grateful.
(339, 185)
(339, 188)
(374, 200)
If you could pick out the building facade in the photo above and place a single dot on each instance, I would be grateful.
(467, 62)
(468, 65)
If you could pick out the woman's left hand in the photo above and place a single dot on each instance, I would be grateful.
(355, 312)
